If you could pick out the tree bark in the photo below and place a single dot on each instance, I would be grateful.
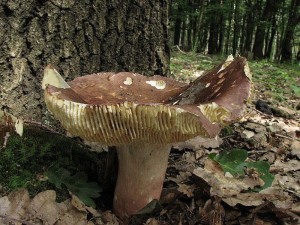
(270, 9)
(78, 37)
(293, 20)
(213, 40)
(249, 29)
(271, 39)
(236, 31)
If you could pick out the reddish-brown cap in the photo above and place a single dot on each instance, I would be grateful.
(120, 108)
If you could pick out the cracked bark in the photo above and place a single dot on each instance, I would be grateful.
(78, 37)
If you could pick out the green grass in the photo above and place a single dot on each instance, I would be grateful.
(276, 82)
(184, 66)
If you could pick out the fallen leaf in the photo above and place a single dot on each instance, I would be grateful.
(295, 148)
(198, 143)
(275, 195)
(220, 185)
(42, 209)
(247, 134)
(188, 190)
(284, 167)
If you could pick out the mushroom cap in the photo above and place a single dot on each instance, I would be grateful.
(121, 108)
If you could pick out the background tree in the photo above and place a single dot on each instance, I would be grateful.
(264, 23)
(78, 37)
(257, 28)
(293, 20)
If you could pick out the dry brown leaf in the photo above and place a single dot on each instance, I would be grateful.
(280, 199)
(14, 205)
(77, 203)
(287, 125)
(109, 218)
(295, 148)
(188, 190)
(72, 217)
(199, 142)
(287, 110)
(221, 185)
(18, 208)
(284, 167)
(247, 134)
(152, 221)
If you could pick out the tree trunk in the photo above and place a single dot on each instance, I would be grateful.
(270, 9)
(294, 19)
(229, 28)
(236, 31)
(177, 25)
(177, 31)
(271, 39)
(199, 27)
(213, 27)
(183, 34)
(78, 37)
(249, 29)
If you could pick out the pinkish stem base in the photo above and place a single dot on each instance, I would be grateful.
(142, 169)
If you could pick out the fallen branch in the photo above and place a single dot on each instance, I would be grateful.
(177, 46)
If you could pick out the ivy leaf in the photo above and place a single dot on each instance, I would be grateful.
(263, 168)
(77, 184)
(231, 161)
(234, 162)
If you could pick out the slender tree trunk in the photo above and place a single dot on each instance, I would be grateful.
(294, 19)
(282, 22)
(199, 25)
(271, 39)
(177, 26)
(203, 40)
(249, 29)
(236, 30)
(189, 34)
(177, 31)
(271, 8)
(78, 37)
(221, 33)
(183, 34)
(214, 28)
(242, 39)
(227, 43)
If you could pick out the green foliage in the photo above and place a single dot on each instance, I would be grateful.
(279, 81)
(234, 162)
(296, 90)
(231, 161)
(77, 184)
(263, 169)
(25, 159)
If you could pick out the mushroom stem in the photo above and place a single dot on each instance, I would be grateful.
(142, 169)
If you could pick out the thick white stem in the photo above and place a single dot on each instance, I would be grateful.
(142, 169)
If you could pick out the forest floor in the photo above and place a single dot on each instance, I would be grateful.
(196, 189)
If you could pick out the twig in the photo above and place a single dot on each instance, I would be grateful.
(177, 46)
(258, 151)
(262, 113)
(228, 136)
(287, 137)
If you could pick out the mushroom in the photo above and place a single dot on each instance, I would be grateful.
(142, 116)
